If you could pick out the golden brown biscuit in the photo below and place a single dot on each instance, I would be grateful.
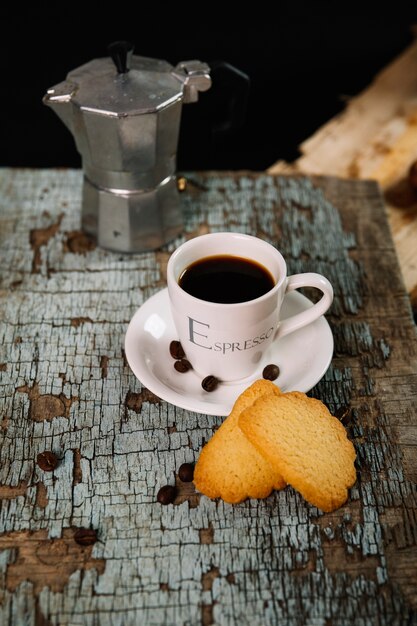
(229, 466)
(305, 444)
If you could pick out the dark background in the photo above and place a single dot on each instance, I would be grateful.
(303, 59)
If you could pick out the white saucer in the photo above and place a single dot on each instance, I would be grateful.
(303, 357)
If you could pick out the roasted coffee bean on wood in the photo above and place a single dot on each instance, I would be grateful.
(167, 494)
(176, 350)
(47, 461)
(186, 472)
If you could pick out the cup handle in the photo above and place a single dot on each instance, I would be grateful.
(310, 279)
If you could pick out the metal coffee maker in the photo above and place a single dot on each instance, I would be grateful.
(124, 113)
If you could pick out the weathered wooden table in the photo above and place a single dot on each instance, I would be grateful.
(66, 388)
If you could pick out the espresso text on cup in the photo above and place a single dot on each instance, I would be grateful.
(198, 332)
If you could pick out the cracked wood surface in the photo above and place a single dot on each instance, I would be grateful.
(66, 387)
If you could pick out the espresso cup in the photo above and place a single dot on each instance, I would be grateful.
(228, 340)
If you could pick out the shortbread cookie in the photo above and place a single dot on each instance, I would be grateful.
(305, 444)
(229, 466)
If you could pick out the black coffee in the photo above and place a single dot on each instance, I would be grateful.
(226, 279)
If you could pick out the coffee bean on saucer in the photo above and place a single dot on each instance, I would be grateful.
(85, 536)
(343, 414)
(167, 494)
(210, 383)
(47, 461)
(186, 472)
(183, 366)
(176, 350)
(271, 372)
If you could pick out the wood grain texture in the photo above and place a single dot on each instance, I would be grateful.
(66, 387)
(375, 137)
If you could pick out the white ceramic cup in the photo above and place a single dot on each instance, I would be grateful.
(229, 340)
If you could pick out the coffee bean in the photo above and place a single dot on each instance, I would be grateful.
(186, 472)
(176, 350)
(343, 414)
(210, 383)
(271, 372)
(166, 494)
(47, 461)
(85, 536)
(183, 366)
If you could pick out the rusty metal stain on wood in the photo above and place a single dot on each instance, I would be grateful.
(77, 321)
(8, 492)
(78, 242)
(39, 237)
(104, 365)
(77, 473)
(45, 562)
(134, 401)
(206, 535)
(41, 495)
(186, 493)
(66, 387)
(46, 406)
